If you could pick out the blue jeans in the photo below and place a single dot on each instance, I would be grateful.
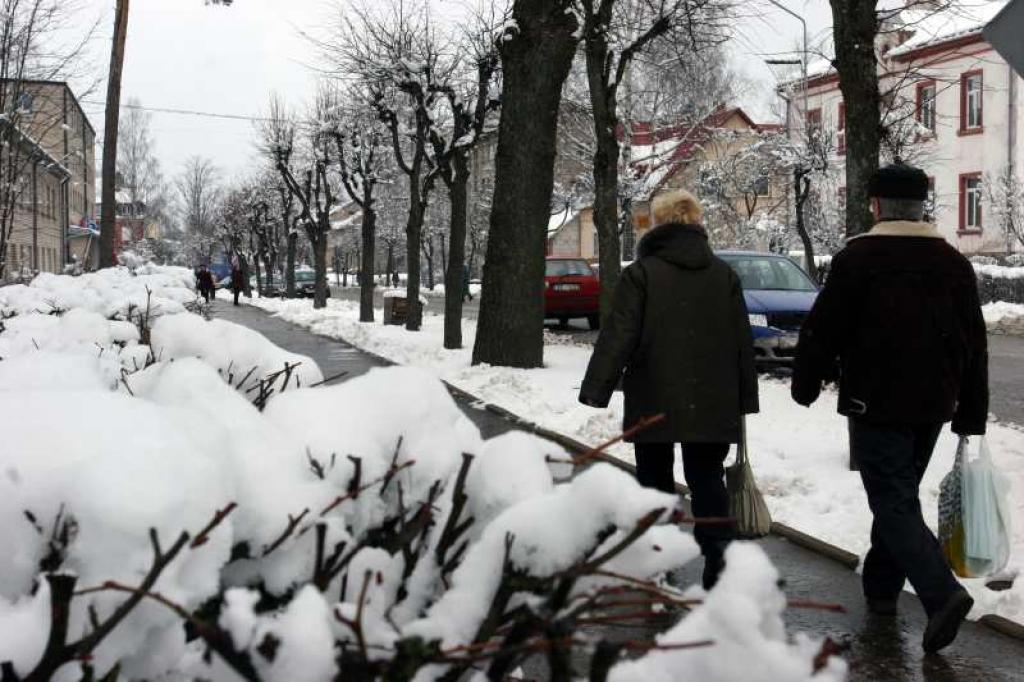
(892, 462)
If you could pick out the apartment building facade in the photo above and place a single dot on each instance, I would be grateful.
(52, 159)
(963, 102)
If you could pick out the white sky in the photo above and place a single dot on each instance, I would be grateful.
(182, 54)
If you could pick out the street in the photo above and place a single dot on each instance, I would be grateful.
(1006, 353)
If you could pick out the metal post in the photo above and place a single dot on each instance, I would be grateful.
(803, 58)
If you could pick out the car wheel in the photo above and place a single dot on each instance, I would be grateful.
(594, 321)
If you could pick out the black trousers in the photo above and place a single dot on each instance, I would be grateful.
(237, 292)
(703, 468)
(892, 462)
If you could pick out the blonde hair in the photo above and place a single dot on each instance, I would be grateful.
(676, 206)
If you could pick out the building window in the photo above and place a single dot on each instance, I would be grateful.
(762, 186)
(926, 105)
(971, 101)
(970, 202)
(814, 122)
(841, 128)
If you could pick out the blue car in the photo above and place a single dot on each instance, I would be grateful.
(779, 295)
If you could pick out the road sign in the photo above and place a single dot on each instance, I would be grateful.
(1004, 34)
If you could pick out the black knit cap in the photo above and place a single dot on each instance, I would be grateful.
(899, 181)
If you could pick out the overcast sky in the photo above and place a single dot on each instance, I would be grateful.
(182, 54)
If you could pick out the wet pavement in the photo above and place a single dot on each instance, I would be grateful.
(881, 649)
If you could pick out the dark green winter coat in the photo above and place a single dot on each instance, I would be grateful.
(680, 331)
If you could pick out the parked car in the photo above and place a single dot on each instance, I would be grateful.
(779, 295)
(571, 291)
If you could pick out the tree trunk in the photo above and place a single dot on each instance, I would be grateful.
(369, 229)
(413, 235)
(243, 265)
(320, 267)
(289, 275)
(536, 58)
(259, 277)
(112, 119)
(606, 169)
(856, 26)
(268, 265)
(428, 253)
(802, 190)
(454, 273)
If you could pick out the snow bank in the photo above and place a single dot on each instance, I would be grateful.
(800, 456)
(1001, 311)
(999, 271)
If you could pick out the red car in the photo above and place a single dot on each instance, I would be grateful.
(571, 291)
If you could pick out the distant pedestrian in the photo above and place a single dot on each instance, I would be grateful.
(679, 330)
(204, 283)
(899, 324)
(237, 279)
(467, 294)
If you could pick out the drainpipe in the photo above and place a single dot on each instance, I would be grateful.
(65, 218)
(35, 216)
(1011, 137)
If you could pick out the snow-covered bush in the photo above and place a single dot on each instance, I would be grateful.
(160, 523)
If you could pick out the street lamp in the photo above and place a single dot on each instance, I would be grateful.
(803, 60)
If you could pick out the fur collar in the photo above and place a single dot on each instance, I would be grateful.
(902, 228)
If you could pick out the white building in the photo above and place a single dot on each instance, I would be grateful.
(957, 105)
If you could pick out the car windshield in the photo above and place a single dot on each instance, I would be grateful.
(304, 277)
(567, 268)
(767, 273)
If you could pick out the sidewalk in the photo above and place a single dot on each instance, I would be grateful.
(881, 649)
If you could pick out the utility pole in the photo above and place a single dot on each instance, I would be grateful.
(110, 128)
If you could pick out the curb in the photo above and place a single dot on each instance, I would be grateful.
(841, 556)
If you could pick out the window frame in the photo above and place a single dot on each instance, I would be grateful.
(919, 106)
(841, 128)
(965, 79)
(964, 228)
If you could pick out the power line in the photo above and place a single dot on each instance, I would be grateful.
(185, 112)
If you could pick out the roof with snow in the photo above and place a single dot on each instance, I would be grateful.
(960, 20)
(659, 153)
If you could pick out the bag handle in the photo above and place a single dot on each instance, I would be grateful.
(741, 447)
(961, 451)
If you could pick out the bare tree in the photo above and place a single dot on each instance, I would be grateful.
(314, 186)
(138, 168)
(277, 144)
(614, 32)
(199, 196)
(402, 66)
(363, 156)
(1005, 195)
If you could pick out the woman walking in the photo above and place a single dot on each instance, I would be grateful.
(678, 337)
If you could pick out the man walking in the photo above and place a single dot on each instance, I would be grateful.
(204, 282)
(899, 324)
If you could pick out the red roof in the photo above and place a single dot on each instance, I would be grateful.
(689, 137)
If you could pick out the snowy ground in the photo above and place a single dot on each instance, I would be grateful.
(799, 455)
(1002, 314)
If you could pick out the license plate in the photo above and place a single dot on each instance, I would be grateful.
(566, 287)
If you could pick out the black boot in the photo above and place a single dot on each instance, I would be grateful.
(944, 625)
(713, 567)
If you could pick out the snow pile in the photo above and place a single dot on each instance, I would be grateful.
(113, 293)
(362, 518)
(800, 456)
(999, 271)
(1000, 311)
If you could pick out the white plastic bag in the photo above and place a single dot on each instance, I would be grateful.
(986, 514)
